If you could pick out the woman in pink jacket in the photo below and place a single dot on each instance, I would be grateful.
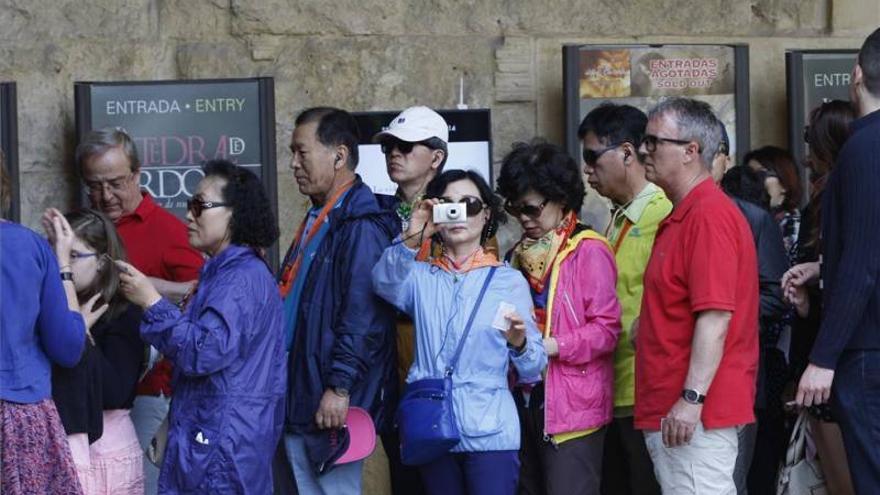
(572, 276)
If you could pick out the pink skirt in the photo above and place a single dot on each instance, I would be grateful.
(34, 455)
(114, 464)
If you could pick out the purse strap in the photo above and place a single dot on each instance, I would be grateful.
(467, 329)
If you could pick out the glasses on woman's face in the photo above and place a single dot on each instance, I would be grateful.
(472, 205)
(651, 141)
(531, 211)
(77, 255)
(807, 134)
(197, 206)
(404, 147)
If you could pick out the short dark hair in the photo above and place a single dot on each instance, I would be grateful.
(869, 61)
(547, 169)
(253, 223)
(780, 164)
(747, 184)
(336, 127)
(99, 141)
(615, 124)
(439, 183)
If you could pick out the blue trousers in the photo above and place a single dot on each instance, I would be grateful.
(856, 402)
(472, 473)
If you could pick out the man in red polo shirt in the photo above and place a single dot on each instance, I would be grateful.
(156, 243)
(697, 342)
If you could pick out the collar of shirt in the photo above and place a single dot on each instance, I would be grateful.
(699, 191)
(859, 124)
(634, 210)
(143, 210)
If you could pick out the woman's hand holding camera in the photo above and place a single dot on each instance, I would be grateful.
(421, 223)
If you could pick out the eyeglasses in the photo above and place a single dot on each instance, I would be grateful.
(115, 184)
(197, 206)
(651, 141)
(807, 134)
(531, 211)
(472, 205)
(592, 156)
(76, 255)
(405, 147)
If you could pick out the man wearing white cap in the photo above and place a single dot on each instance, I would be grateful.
(415, 149)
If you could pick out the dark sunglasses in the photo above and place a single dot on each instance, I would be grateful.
(592, 156)
(651, 141)
(472, 205)
(531, 211)
(197, 206)
(807, 134)
(405, 147)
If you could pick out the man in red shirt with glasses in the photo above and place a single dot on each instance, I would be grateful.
(697, 342)
(156, 243)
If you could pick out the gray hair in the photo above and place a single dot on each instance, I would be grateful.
(695, 121)
(99, 141)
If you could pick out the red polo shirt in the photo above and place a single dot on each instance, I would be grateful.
(157, 244)
(703, 259)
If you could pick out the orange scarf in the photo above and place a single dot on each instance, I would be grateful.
(534, 257)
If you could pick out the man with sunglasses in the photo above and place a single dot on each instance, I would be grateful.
(156, 243)
(697, 341)
(610, 135)
(415, 145)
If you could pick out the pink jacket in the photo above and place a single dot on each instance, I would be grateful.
(583, 314)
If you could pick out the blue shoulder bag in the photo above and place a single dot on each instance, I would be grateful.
(426, 416)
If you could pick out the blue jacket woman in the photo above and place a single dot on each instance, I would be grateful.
(439, 296)
(227, 346)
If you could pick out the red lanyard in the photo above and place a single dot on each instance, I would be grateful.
(625, 230)
(291, 267)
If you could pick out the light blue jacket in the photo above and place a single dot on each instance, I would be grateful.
(440, 303)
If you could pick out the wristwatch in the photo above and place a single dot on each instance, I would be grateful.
(691, 396)
(67, 276)
(340, 391)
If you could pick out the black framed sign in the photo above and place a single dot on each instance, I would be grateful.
(179, 125)
(470, 145)
(9, 144)
(640, 75)
(812, 78)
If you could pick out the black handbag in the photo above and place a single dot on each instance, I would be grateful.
(426, 416)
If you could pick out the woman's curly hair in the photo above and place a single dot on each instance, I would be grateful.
(544, 168)
(253, 223)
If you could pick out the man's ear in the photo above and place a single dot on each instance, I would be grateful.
(341, 159)
(437, 157)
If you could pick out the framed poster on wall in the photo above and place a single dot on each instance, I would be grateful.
(812, 78)
(641, 75)
(9, 144)
(470, 145)
(179, 125)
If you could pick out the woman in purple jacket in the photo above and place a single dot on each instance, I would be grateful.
(572, 277)
(227, 345)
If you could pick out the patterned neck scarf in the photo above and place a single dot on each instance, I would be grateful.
(478, 259)
(534, 257)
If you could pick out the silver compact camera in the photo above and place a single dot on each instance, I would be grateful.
(450, 213)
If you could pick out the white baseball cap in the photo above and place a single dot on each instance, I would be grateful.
(416, 124)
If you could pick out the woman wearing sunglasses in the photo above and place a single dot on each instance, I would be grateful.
(572, 279)
(95, 397)
(440, 296)
(227, 345)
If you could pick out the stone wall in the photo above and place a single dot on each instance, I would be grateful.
(390, 54)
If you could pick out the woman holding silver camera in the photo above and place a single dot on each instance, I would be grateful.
(440, 296)
(572, 278)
